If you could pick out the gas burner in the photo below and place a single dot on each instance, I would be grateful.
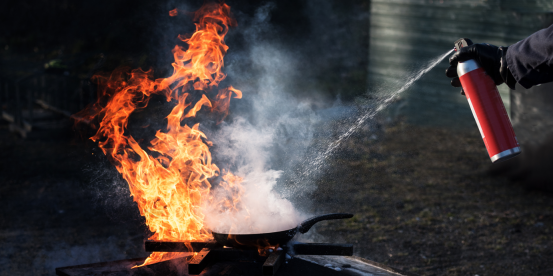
(211, 252)
(321, 259)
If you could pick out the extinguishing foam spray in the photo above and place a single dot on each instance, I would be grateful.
(487, 107)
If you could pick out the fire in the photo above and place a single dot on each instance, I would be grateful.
(266, 250)
(231, 184)
(170, 184)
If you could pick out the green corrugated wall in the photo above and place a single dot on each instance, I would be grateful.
(405, 33)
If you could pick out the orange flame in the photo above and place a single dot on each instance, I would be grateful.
(231, 184)
(170, 188)
(266, 249)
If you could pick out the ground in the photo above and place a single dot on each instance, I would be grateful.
(422, 198)
(425, 203)
(51, 216)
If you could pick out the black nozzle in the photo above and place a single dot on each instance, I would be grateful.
(462, 42)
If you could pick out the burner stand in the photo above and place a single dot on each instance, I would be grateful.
(210, 253)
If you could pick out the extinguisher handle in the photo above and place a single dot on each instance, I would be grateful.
(462, 42)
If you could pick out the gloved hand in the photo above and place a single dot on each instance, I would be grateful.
(490, 57)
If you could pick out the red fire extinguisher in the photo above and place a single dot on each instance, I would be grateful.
(487, 108)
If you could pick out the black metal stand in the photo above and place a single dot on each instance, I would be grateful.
(201, 260)
(272, 263)
(210, 252)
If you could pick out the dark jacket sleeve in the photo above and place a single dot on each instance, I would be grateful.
(531, 59)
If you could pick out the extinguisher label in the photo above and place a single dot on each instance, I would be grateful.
(476, 118)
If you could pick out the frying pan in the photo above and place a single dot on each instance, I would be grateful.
(272, 238)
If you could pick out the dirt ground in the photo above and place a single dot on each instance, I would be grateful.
(51, 216)
(425, 203)
(421, 196)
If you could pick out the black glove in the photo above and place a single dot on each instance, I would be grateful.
(490, 57)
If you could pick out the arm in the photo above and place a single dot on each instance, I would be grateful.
(530, 60)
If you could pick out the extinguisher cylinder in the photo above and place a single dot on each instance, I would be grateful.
(488, 111)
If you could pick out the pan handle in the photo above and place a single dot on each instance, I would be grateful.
(308, 223)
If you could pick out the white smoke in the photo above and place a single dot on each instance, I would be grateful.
(276, 130)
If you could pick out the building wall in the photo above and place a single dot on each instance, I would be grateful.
(407, 33)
